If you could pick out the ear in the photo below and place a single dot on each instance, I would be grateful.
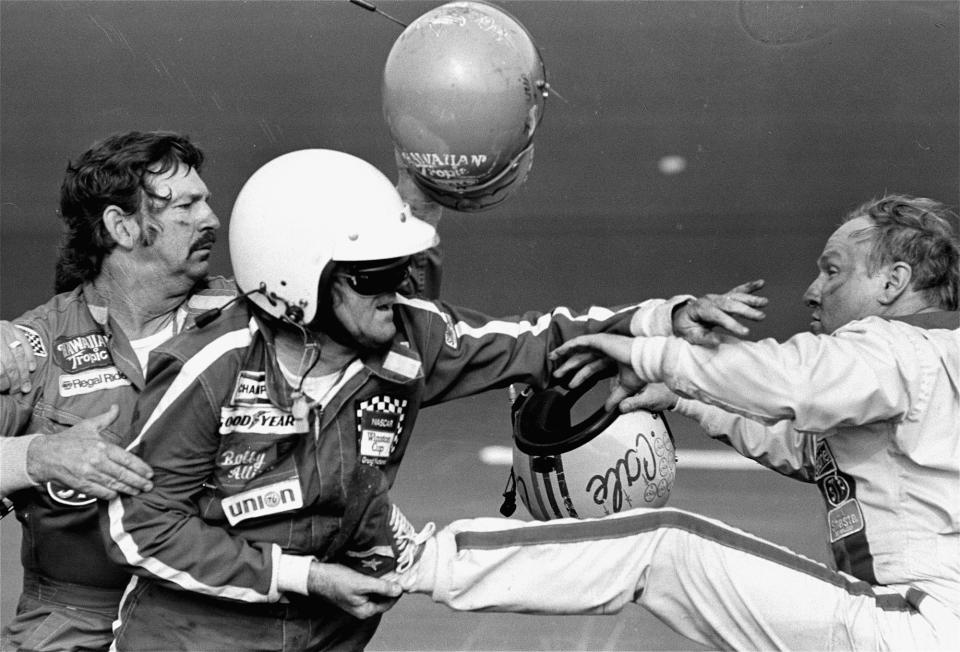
(897, 279)
(123, 228)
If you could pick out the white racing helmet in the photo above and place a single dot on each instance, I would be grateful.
(464, 89)
(305, 210)
(607, 463)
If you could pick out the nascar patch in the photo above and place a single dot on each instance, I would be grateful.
(379, 424)
(94, 380)
(82, 352)
(275, 498)
(35, 341)
(261, 419)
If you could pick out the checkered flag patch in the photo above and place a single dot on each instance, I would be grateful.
(36, 342)
(384, 403)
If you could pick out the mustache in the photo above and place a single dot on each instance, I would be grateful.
(206, 240)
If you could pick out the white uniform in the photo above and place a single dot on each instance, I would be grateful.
(871, 414)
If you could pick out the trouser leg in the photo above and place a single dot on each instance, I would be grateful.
(712, 583)
(55, 615)
(155, 617)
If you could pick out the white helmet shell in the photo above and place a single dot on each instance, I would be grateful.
(608, 463)
(307, 208)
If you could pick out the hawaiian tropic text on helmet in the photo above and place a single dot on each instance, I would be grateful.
(464, 89)
(302, 212)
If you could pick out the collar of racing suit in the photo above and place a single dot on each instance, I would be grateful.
(396, 364)
(939, 319)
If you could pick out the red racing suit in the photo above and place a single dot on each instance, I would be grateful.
(242, 478)
(84, 364)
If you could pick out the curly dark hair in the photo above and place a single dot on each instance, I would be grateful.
(917, 231)
(113, 172)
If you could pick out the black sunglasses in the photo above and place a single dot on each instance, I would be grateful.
(370, 279)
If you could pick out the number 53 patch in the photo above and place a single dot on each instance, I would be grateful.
(379, 424)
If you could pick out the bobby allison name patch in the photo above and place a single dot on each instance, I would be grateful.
(379, 422)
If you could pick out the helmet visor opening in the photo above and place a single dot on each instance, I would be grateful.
(373, 277)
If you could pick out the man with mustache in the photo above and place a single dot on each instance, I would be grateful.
(132, 272)
(137, 236)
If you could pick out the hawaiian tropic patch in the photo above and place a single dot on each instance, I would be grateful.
(82, 352)
(379, 423)
(88, 364)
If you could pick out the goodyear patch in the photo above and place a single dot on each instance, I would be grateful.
(379, 424)
(261, 419)
(82, 352)
(35, 341)
(251, 388)
(275, 498)
(94, 380)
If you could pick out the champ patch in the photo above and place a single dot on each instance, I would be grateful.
(258, 419)
(82, 352)
(94, 380)
(251, 388)
(274, 498)
(379, 423)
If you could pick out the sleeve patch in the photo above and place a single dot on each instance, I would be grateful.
(36, 342)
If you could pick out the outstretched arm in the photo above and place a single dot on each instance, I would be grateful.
(703, 320)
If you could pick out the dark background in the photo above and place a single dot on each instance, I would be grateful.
(787, 115)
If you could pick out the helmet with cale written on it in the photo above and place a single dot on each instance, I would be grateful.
(464, 89)
(607, 463)
(302, 212)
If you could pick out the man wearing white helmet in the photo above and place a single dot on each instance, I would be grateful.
(275, 430)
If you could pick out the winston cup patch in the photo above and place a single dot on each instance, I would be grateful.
(379, 424)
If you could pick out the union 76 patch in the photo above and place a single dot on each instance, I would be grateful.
(379, 424)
